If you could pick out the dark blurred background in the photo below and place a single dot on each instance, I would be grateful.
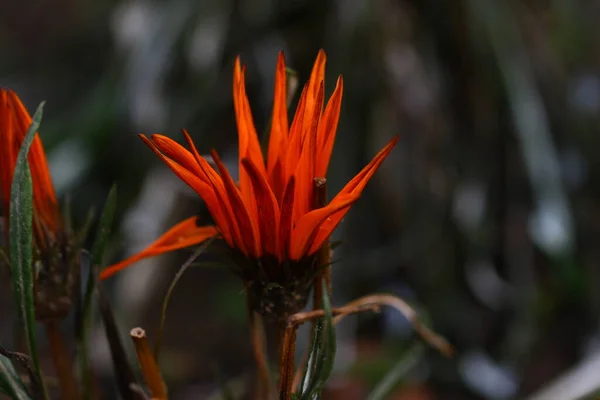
(485, 216)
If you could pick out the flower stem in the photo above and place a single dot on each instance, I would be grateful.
(264, 387)
(286, 371)
(62, 362)
(148, 364)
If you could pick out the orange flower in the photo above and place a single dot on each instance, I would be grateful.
(270, 214)
(56, 253)
(14, 123)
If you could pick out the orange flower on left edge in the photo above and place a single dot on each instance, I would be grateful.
(14, 123)
(56, 251)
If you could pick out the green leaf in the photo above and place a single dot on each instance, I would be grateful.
(10, 383)
(399, 371)
(21, 243)
(97, 256)
(123, 372)
(322, 354)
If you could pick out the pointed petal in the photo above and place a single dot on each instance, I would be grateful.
(14, 125)
(353, 188)
(268, 210)
(305, 170)
(328, 128)
(305, 230)
(358, 183)
(177, 153)
(211, 177)
(278, 137)
(324, 231)
(185, 234)
(249, 146)
(248, 138)
(248, 227)
(296, 136)
(317, 77)
(9, 158)
(202, 188)
(285, 220)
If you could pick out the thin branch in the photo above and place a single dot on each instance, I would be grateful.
(426, 334)
(165, 303)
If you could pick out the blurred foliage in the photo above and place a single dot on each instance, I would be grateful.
(486, 214)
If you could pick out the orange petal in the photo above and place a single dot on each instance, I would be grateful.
(13, 128)
(358, 183)
(248, 228)
(211, 177)
(304, 232)
(177, 153)
(249, 146)
(296, 136)
(9, 158)
(185, 234)
(305, 170)
(202, 188)
(317, 77)
(267, 217)
(328, 128)
(285, 220)
(354, 188)
(326, 229)
(248, 139)
(278, 137)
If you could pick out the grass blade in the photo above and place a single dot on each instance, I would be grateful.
(393, 377)
(10, 383)
(21, 243)
(123, 371)
(323, 355)
(97, 255)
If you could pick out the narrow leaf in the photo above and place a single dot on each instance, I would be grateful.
(123, 371)
(10, 383)
(21, 243)
(399, 371)
(323, 355)
(85, 320)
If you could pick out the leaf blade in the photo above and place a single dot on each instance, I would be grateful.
(393, 377)
(97, 256)
(10, 383)
(21, 243)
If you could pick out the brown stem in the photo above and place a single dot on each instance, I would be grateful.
(147, 362)
(286, 370)
(264, 387)
(62, 362)
(426, 334)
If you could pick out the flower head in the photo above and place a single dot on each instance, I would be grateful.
(55, 252)
(270, 216)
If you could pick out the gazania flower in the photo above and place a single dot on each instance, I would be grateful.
(268, 219)
(14, 123)
(55, 253)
